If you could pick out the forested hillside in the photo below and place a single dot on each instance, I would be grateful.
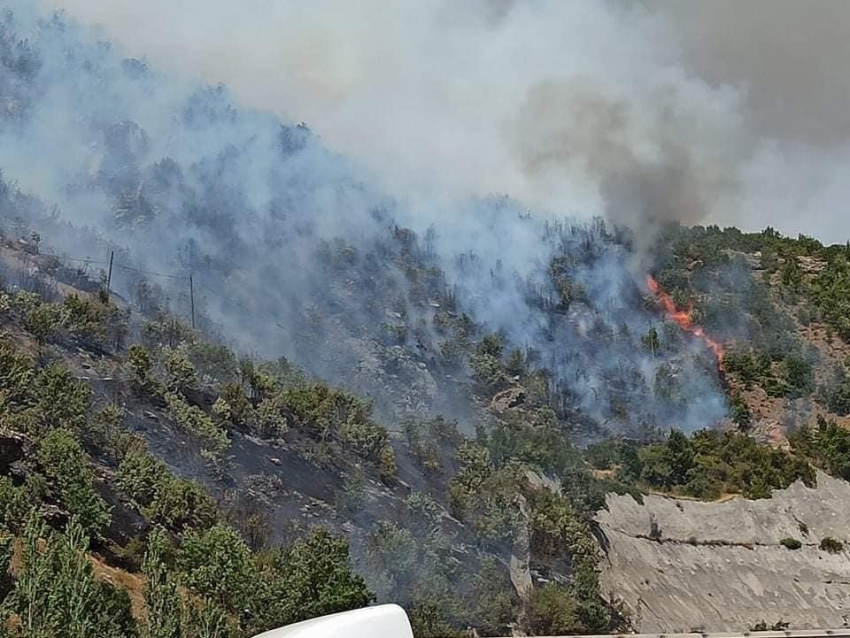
(240, 387)
(162, 452)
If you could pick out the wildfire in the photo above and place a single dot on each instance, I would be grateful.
(683, 318)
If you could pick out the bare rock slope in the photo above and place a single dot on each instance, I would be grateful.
(681, 565)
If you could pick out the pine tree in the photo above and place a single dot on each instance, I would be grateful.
(161, 600)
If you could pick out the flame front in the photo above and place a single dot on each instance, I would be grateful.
(683, 319)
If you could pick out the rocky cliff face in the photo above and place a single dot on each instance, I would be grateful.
(681, 565)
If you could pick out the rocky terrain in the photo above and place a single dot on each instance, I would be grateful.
(681, 565)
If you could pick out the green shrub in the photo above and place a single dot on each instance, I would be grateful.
(712, 462)
(280, 373)
(366, 438)
(167, 331)
(24, 302)
(493, 598)
(556, 529)
(827, 445)
(515, 365)
(7, 553)
(93, 323)
(791, 543)
(387, 464)
(240, 410)
(428, 620)
(762, 625)
(62, 401)
(488, 371)
(16, 375)
(180, 374)
(799, 375)
(214, 361)
(740, 412)
(475, 469)
(829, 292)
(175, 503)
(196, 422)
(491, 345)
(552, 611)
(15, 505)
(271, 419)
(451, 353)
(161, 600)
(392, 556)
(322, 411)
(56, 592)
(205, 619)
(182, 505)
(603, 455)
(311, 578)
(835, 391)
(43, 322)
(141, 477)
(70, 479)
(425, 437)
(424, 512)
(218, 565)
(536, 440)
(352, 495)
(140, 362)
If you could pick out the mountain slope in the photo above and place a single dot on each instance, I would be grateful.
(444, 395)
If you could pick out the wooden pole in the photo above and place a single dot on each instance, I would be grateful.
(109, 275)
(192, 299)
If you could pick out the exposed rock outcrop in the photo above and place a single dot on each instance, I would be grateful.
(722, 567)
(12, 449)
(520, 555)
(512, 397)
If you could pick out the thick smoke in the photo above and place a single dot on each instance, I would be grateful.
(301, 252)
(723, 111)
(786, 60)
(554, 103)
(787, 56)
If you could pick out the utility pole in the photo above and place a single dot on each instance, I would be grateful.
(109, 275)
(192, 299)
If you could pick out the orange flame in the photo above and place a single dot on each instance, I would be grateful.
(683, 319)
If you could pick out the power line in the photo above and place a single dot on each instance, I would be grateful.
(111, 263)
(192, 283)
(88, 260)
(63, 258)
(149, 272)
(241, 305)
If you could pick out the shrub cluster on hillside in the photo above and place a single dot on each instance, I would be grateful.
(201, 576)
(707, 465)
(53, 590)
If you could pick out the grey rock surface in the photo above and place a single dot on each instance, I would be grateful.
(719, 567)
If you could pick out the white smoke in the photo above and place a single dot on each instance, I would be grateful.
(436, 93)
(660, 109)
(572, 108)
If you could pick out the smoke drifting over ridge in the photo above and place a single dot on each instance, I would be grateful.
(654, 109)
(571, 108)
